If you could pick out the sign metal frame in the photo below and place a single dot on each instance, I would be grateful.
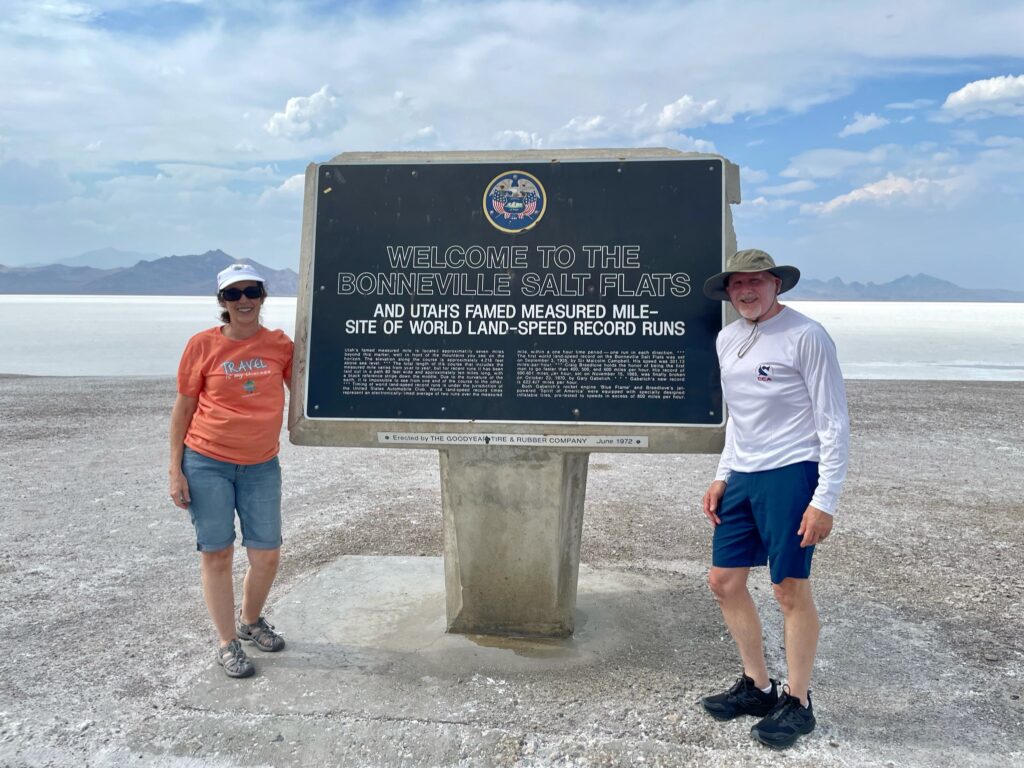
(308, 428)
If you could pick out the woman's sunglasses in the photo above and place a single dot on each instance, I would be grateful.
(234, 294)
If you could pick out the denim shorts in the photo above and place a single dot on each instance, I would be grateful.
(218, 488)
(760, 514)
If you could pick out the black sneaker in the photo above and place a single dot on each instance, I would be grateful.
(261, 634)
(786, 723)
(234, 660)
(744, 698)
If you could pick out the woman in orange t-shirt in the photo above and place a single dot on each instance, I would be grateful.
(225, 436)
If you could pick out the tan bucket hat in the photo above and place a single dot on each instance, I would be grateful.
(750, 260)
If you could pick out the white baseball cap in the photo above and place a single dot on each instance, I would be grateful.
(237, 273)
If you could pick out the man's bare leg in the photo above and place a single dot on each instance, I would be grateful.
(729, 586)
(801, 632)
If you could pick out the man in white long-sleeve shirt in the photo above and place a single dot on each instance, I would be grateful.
(778, 481)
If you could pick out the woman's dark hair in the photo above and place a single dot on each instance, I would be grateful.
(225, 316)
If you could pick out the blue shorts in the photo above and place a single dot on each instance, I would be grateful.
(218, 488)
(760, 514)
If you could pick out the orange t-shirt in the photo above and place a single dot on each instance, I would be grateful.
(240, 386)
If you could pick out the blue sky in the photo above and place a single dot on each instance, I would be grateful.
(875, 139)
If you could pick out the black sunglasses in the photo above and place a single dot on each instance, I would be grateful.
(234, 294)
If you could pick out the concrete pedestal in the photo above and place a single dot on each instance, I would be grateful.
(513, 518)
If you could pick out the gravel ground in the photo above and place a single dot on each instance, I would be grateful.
(920, 588)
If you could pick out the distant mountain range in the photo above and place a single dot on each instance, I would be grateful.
(109, 271)
(907, 288)
(108, 258)
(168, 276)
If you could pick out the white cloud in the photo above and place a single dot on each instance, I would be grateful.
(26, 184)
(635, 113)
(762, 203)
(586, 126)
(686, 112)
(423, 137)
(679, 141)
(753, 175)
(915, 104)
(291, 188)
(863, 124)
(518, 140)
(830, 163)
(482, 75)
(801, 185)
(203, 175)
(1004, 141)
(985, 98)
(168, 214)
(664, 129)
(294, 184)
(891, 189)
(637, 127)
(307, 116)
(634, 126)
(56, 19)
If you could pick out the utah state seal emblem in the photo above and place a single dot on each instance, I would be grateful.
(514, 201)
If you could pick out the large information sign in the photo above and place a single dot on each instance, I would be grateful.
(514, 292)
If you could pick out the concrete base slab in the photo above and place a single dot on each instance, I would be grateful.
(366, 637)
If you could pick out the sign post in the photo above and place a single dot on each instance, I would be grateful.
(515, 311)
